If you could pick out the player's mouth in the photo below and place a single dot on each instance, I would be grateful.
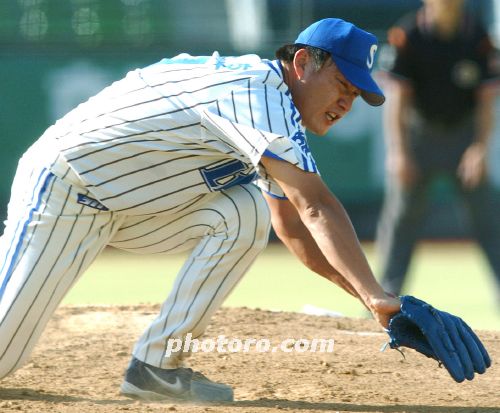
(332, 117)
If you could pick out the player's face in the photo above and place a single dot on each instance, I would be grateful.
(322, 96)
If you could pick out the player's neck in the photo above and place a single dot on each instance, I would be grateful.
(285, 68)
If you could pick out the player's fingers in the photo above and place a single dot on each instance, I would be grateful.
(463, 173)
(482, 350)
(461, 348)
(444, 349)
(465, 177)
(476, 357)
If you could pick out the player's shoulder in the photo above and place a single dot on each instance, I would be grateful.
(237, 63)
(257, 70)
(211, 62)
(474, 28)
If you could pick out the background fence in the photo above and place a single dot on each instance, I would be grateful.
(56, 53)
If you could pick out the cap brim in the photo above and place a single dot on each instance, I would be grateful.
(362, 79)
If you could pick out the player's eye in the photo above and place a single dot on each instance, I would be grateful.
(344, 84)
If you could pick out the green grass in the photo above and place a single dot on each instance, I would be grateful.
(453, 277)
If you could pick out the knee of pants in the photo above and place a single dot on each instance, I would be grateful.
(250, 217)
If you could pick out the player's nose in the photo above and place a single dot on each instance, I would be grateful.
(344, 103)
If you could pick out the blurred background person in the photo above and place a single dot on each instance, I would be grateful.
(438, 122)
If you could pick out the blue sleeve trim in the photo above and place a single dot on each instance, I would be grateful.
(269, 154)
(283, 198)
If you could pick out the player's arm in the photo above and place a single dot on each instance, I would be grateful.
(331, 228)
(399, 160)
(473, 165)
(485, 113)
(293, 233)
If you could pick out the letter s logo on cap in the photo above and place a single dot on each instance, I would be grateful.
(370, 59)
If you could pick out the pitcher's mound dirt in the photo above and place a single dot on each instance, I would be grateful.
(79, 363)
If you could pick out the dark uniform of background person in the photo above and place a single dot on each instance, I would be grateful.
(438, 121)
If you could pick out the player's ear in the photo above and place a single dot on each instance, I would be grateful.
(300, 61)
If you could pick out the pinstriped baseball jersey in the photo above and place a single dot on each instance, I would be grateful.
(185, 126)
(176, 141)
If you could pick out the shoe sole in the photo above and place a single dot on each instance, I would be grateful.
(129, 390)
(202, 394)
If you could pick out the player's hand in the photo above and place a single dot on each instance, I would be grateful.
(384, 308)
(472, 168)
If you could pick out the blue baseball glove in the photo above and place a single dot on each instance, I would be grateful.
(438, 335)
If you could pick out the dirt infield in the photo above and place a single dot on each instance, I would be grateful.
(79, 363)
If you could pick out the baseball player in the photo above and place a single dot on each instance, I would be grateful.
(191, 153)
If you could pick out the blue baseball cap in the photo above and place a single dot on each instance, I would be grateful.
(352, 50)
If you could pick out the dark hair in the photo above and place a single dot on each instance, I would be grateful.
(287, 53)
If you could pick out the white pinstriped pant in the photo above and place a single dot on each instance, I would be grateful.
(50, 240)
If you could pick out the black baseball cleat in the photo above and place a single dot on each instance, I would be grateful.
(151, 383)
